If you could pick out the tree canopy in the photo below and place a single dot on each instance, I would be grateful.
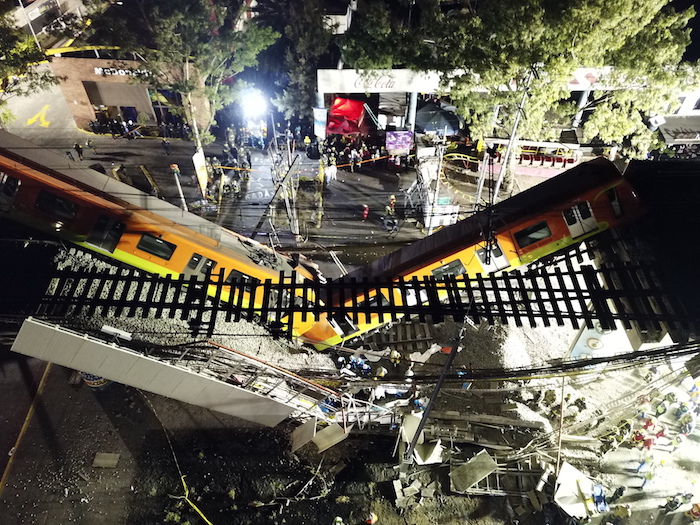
(195, 47)
(19, 74)
(485, 51)
(305, 38)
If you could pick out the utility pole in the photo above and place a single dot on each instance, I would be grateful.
(440, 150)
(513, 135)
(29, 23)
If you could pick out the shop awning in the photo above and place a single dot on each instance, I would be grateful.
(345, 116)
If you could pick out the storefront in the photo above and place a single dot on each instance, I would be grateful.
(105, 89)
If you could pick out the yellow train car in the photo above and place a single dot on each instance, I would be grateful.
(47, 192)
(554, 215)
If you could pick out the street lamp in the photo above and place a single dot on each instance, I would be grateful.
(254, 105)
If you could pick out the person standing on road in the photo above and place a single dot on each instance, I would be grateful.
(365, 212)
(91, 144)
(165, 144)
(79, 150)
(619, 492)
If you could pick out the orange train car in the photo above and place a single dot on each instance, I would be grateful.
(49, 193)
(552, 216)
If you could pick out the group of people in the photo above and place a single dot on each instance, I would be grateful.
(78, 148)
(132, 130)
(351, 153)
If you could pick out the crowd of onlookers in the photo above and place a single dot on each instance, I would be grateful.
(681, 151)
(130, 129)
(353, 152)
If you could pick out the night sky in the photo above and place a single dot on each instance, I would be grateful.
(693, 51)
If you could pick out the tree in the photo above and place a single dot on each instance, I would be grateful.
(305, 38)
(488, 51)
(19, 74)
(194, 47)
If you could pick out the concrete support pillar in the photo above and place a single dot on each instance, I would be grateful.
(411, 120)
(581, 103)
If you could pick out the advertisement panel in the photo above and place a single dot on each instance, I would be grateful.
(320, 122)
(399, 142)
(200, 169)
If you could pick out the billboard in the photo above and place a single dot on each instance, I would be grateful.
(399, 142)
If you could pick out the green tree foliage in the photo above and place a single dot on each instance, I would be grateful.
(19, 73)
(305, 37)
(487, 52)
(195, 47)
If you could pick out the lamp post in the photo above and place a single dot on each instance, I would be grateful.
(29, 23)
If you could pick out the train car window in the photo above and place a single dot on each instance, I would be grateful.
(194, 261)
(106, 233)
(56, 206)
(584, 210)
(8, 185)
(342, 324)
(8, 189)
(614, 202)
(569, 216)
(235, 274)
(451, 269)
(155, 246)
(532, 234)
(199, 266)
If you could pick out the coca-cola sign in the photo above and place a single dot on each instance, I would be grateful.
(376, 82)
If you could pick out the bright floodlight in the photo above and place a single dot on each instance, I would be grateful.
(254, 103)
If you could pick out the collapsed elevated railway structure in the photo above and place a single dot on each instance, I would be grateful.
(239, 344)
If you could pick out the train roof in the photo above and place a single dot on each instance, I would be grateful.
(446, 241)
(51, 163)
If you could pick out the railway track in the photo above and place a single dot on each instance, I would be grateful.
(406, 337)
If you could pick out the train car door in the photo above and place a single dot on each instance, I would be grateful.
(8, 189)
(580, 219)
(106, 233)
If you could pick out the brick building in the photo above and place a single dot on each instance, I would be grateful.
(103, 89)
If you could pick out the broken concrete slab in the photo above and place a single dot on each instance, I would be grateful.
(427, 493)
(329, 436)
(303, 434)
(410, 491)
(409, 428)
(488, 419)
(470, 473)
(105, 460)
(428, 453)
(337, 468)
(534, 500)
(403, 502)
(398, 489)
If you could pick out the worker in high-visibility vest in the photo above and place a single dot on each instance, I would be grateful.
(694, 512)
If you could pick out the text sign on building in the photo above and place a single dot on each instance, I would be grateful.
(113, 71)
(377, 81)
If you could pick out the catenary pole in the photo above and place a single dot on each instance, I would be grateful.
(513, 136)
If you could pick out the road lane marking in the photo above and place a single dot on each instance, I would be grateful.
(41, 116)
